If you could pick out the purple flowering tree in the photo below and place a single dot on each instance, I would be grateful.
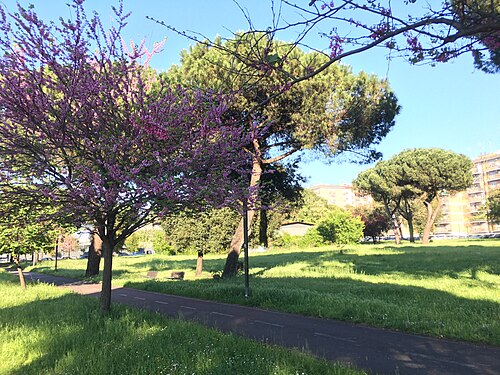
(86, 127)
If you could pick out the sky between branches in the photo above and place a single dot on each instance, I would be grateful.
(450, 106)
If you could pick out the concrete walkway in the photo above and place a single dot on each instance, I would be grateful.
(375, 350)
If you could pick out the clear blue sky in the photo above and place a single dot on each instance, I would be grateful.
(450, 106)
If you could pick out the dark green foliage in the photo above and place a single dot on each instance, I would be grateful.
(209, 231)
(416, 177)
(280, 192)
(333, 112)
(341, 228)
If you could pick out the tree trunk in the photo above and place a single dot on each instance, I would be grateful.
(199, 263)
(231, 266)
(107, 254)
(428, 224)
(95, 254)
(22, 282)
(263, 240)
(411, 229)
(34, 258)
(395, 229)
(431, 218)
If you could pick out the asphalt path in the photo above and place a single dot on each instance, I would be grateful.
(375, 350)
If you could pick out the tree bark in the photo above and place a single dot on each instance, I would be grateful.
(263, 240)
(95, 254)
(394, 223)
(107, 254)
(411, 229)
(431, 218)
(22, 282)
(34, 258)
(199, 263)
(231, 266)
(396, 229)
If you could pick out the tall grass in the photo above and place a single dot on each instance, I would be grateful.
(447, 289)
(46, 330)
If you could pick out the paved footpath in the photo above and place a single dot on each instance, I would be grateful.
(378, 351)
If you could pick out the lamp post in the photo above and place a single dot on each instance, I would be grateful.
(245, 246)
(57, 252)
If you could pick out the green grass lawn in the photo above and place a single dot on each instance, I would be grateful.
(49, 330)
(447, 289)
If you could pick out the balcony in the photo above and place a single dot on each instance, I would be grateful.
(478, 199)
(495, 177)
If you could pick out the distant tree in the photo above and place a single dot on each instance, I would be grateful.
(341, 228)
(23, 231)
(311, 209)
(375, 219)
(493, 206)
(68, 243)
(433, 172)
(335, 113)
(151, 238)
(380, 182)
(200, 233)
(280, 191)
(210, 230)
(86, 128)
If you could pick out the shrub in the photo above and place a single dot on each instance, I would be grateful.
(341, 228)
(311, 239)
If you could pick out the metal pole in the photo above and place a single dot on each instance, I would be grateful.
(57, 252)
(245, 246)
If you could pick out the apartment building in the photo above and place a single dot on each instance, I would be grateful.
(340, 195)
(486, 174)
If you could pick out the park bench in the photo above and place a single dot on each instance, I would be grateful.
(174, 275)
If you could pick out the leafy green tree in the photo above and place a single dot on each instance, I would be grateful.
(433, 172)
(189, 231)
(205, 232)
(341, 228)
(333, 113)
(312, 208)
(472, 13)
(493, 206)
(25, 235)
(22, 232)
(381, 183)
(280, 191)
(149, 238)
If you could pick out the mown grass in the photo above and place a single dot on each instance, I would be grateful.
(447, 289)
(48, 330)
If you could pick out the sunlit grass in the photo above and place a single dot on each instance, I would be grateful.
(48, 330)
(447, 289)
